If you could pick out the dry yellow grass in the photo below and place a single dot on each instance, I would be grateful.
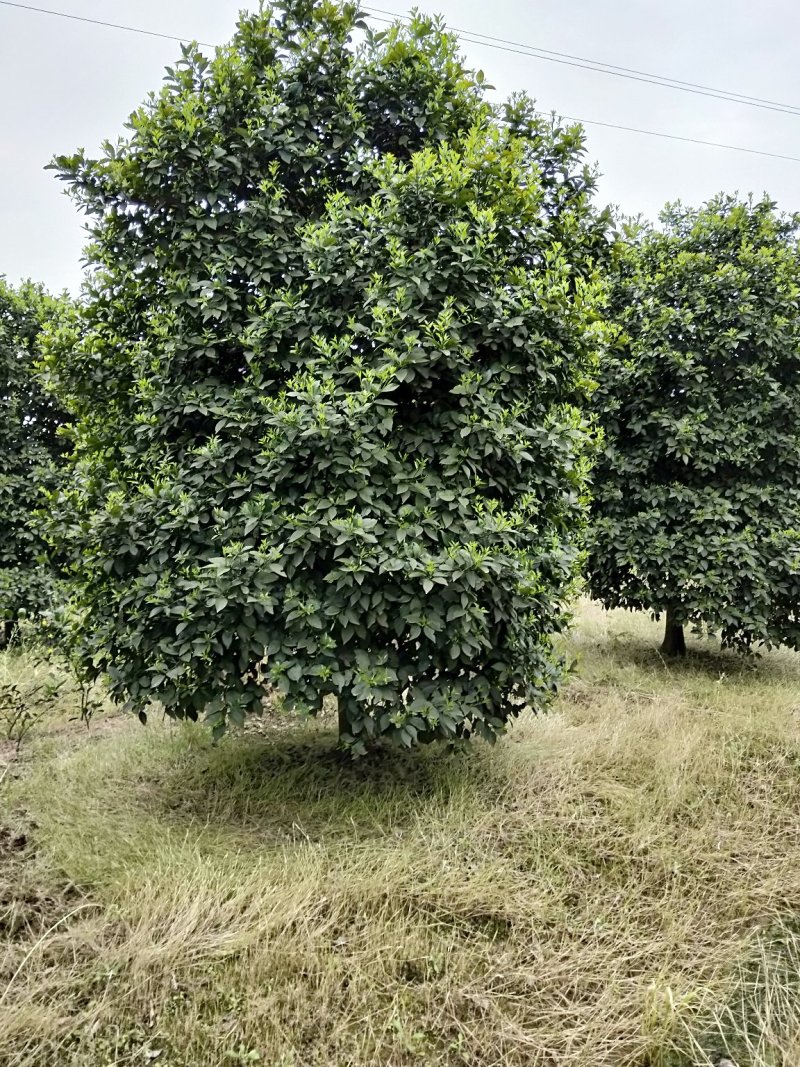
(614, 885)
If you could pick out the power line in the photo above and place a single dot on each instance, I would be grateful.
(502, 43)
(100, 22)
(677, 137)
(588, 122)
(667, 79)
(601, 67)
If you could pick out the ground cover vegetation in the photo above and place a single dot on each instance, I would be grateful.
(616, 884)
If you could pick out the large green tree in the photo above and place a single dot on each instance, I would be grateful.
(327, 385)
(696, 509)
(30, 449)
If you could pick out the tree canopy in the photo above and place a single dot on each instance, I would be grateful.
(327, 385)
(696, 508)
(30, 449)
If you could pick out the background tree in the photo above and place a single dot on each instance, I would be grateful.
(696, 508)
(30, 450)
(325, 384)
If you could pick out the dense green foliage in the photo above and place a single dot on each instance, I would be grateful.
(327, 386)
(30, 451)
(697, 492)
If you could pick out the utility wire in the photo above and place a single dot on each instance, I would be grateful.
(677, 137)
(100, 22)
(601, 67)
(588, 122)
(503, 44)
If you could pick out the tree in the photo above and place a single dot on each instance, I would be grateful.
(696, 511)
(31, 449)
(325, 386)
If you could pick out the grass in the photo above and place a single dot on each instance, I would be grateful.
(616, 884)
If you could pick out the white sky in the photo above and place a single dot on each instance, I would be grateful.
(67, 84)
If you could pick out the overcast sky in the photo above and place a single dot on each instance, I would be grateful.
(68, 84)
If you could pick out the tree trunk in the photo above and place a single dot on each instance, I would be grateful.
(674, 643)
(344, 726)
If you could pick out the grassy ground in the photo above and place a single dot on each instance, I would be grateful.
(615, 884)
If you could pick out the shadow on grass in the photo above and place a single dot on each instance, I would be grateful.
(296, 781)
(703, 659)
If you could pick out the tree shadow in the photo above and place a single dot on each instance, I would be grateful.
(294, 783)
(704, 658)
